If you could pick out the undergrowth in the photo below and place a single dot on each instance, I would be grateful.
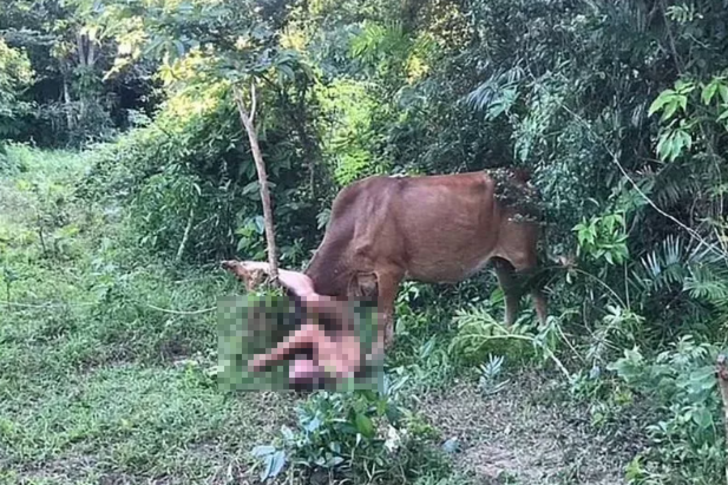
(105, 353)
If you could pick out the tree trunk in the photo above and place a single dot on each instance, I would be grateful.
(248, 123)
(185, 236)
(67, 102)
(80, 44)
(721, 369)
(42, 239)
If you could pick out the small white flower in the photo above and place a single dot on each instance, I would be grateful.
(393, 440)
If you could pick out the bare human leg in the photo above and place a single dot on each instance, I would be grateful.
(340, 357)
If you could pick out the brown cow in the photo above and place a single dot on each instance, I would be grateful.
(434, 229)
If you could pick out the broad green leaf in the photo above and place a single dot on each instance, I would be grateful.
(251, 187)
(278, 461)
(670, 109)
(660, 101)
(313, 424)
(703, 418)
(263, 450)
(675, 147)
(684, 86)
(723, 91)
(266, 472)
(709, 92)
(687, 139)
(663, 146)
(335, 461)
(683, 101)
(364, 425)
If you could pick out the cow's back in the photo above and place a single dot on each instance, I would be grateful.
(450, 225)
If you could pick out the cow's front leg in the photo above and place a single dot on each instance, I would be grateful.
(515, 278)
(384, 335)
(388, 282)
(539, 301)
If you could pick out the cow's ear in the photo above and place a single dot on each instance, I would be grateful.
(364, 286)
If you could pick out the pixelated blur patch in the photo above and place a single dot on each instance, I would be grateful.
(254, 324)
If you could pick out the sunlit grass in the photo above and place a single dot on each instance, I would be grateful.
(104, 356)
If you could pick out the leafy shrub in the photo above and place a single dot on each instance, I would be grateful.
(480, 334)
(351, 145)
(354, 434)
(603, 237)
(190, 183)
(685, 430)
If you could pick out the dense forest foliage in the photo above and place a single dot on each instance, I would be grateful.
(618, 108)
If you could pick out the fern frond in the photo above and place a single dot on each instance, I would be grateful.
(500, 87)
(664, 267)
(672, 191)
(704, 283)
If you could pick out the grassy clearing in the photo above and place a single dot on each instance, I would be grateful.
(135, 420)
(96, 379)
(528, 433)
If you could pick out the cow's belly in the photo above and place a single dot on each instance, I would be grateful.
(445, 269)
(448, 234)
(450, 250)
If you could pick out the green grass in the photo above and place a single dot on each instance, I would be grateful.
(107, 355)
(103, 356)
(131, 419)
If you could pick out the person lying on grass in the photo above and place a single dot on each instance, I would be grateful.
(327, 346)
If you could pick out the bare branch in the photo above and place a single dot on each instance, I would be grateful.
(185, 236)
(247, 121)
(253, 103)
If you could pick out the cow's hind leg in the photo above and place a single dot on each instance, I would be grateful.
(539, 301)
(505, 272)
(532, 279)
(515, 276)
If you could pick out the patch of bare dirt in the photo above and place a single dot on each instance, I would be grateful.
(525, 435)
